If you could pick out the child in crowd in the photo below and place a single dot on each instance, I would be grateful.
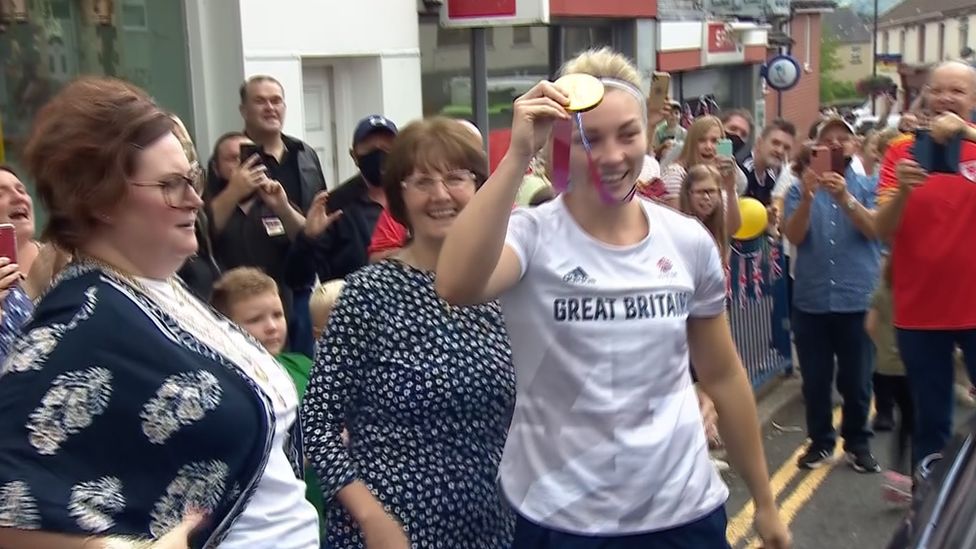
(890, 386)
(322, 303)
(249, 298)
(701, 197)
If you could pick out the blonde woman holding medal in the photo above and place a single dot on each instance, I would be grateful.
(605, 297)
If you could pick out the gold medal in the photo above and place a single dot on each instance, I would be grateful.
(585, 91)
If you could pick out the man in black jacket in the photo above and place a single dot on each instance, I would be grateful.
(343, 247)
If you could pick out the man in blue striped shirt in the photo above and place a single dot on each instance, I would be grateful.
(829, 217)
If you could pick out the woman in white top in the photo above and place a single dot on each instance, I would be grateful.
(700, 147)
(603, 302)
(148, 404)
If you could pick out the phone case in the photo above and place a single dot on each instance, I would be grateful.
(820, 160)
(248, 150)
(934, 157)
(724, 147)
(838, 162)
(660, 87)
(8, 242)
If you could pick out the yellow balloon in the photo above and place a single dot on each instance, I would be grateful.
(754, 219)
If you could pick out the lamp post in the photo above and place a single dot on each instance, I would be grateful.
(874, 58)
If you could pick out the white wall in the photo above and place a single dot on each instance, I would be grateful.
(911, 54)
(680, 35)
(329, 27)
(216, 68)
(372, 45)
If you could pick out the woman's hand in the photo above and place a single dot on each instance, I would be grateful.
(533, 116)
(771, 529)
(9, 276)
(179, 537)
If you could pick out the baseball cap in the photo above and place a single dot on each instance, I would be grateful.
(372, 124)
(832, 122)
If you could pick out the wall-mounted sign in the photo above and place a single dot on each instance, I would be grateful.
(781, 72)
(490, 13)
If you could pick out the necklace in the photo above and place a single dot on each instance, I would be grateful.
(203, 323)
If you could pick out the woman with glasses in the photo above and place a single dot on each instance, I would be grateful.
(127, 404)
(425, 389)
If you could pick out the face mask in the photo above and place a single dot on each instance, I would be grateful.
(737, 143)
(371, 166)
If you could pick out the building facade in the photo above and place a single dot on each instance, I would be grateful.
(341, 61)
(853, 38)
(916, 34)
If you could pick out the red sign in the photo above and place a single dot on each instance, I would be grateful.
(721, 39)
(480, 8)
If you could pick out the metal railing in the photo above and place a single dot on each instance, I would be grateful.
(760, 319)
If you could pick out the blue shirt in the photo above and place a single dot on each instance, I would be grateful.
(837, 267)
(17, 310)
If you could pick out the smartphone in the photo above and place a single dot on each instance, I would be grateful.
(248, 150)
(8, 242)
(838, 161)
(935, 157)
(660, 88)
(724, 147)
(820, 160)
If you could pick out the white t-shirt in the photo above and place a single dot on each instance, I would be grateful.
(607, 436)
(651, 169)
(278, 514)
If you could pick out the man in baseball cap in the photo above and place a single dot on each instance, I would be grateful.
(829, 217)
(341, 246)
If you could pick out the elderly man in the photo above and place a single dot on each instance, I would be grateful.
(928, 217)
(829, 218)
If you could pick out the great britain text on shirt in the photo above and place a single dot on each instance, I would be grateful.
(634, 307)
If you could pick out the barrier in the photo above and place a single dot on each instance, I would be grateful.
(759, 308)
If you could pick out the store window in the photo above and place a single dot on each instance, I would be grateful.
(44, 44)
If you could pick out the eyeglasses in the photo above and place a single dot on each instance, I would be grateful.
(175, 186)
(705, 192)
(453, 180)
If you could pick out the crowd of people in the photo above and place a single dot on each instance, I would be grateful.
(232, 355)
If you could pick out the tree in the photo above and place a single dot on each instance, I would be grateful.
(832, 89)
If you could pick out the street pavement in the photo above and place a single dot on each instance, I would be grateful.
(832, 507)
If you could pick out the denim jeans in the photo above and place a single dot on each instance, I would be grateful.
(928, 358)
(820, 338)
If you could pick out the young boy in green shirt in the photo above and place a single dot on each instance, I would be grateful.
(249, 298)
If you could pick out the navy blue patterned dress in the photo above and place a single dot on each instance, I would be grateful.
(426, 391)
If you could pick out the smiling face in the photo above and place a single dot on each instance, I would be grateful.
(16, 206)
(616, 133)
(952, 88)
(434, 198)
(774, 148)
(263, 108)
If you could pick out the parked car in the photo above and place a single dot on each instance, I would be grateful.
(943, 510)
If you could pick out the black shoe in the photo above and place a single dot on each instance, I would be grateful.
(883, 423)
(863, 462)
(815, 457)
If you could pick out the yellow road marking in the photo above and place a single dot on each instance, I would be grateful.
(802, 494)
(740, 525)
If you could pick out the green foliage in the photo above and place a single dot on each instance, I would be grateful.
(832, 89)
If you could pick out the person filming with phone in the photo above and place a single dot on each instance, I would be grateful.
(830, 220)
(927, 203)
